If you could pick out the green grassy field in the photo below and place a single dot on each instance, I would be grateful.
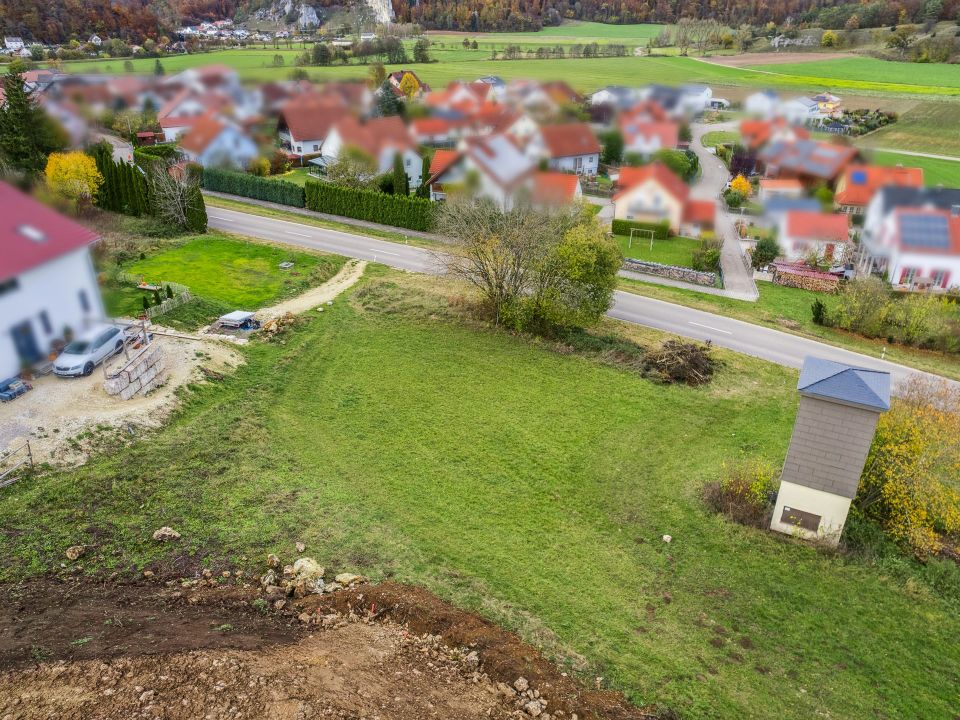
(788, 309)
(584, 74)
(672, 251)
(569, 33)
(935, 171)
(927, 127)
(537, 497)
(719, 137)
(223, 274)
(868, 69)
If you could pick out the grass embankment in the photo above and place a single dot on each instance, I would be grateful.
(530, 485)
(788, 309)
(929, 127)
(672, 251)
(223, 274)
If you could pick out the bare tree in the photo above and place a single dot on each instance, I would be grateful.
(703, 33)
(173, 190)
(681, 36)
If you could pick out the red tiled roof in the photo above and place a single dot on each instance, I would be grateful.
(203, 132)
(433, 126)
(859, 183)
(310, 116)
(646, 111)
(668, 132)
(569, 140)
(181, 121)
(700, 212)
(952, 229)
(442, 160)
(811, 225)
(32, 234)
(373, 135)
(781, 184)
(756, 133)
(656, 171)
(554, 188)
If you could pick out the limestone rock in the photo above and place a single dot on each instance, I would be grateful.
(165, 534)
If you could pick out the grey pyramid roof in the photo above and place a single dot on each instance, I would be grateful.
(845, 384)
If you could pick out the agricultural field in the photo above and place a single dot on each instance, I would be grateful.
(873, 70)
(672, 251)
(537, 497)
(930, 127)
(935, 171)
(866, 76)
(223, 274)
(569, 33)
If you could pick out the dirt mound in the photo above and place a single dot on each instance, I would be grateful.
(77, 649)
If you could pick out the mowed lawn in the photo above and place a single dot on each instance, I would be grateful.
(671, 251)
(223, 274)
(868, 69)
(935, 171)
(532, 486)
(233, 271)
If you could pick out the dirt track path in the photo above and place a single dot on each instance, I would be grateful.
(348, 275)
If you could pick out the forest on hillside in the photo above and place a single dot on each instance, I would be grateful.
(57, 21)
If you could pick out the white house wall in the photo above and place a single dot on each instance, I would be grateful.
(53, 287)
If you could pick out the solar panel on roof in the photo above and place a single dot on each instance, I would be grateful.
(925, 231)
(858, 177)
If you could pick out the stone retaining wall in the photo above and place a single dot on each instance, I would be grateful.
(142, 373)
(673, 272)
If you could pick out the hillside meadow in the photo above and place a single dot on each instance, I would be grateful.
(528, 483)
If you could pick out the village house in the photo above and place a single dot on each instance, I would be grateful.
(382, 139)
(771, 188)
(646, 128)
(214, 141)
(859, 183)
(420, 88)
(304, 123)
(757, 133)
(800, 110)
(654, 194)
(13, 44)
(615, 96)
(828, 104)
(911, 236)
(492, 166)
(811, 162)
(571, 147)
(48, 285)
(807, 235)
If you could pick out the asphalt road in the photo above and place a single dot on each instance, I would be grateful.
(765, 343)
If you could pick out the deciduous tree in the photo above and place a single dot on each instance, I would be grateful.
(73, 175)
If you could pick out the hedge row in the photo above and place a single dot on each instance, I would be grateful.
(397, 210)
(124, 187)
(252, 186)
(661, 230)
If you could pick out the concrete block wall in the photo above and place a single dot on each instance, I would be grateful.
(144, 372)
(829, 446)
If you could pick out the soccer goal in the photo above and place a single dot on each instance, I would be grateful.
(641, 234)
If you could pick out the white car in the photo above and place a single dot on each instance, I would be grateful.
(86, 352)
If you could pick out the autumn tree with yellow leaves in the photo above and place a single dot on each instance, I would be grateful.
(73, 175)
(911, 481)
(741, 185)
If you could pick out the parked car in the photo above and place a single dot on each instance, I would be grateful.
(845, 271)
(82, 355)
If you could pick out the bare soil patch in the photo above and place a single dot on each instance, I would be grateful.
(76, 648)
(62, 417)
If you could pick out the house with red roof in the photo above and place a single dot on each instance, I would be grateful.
(568, 147)
(492, 166)
(381, 138)
(646, 128)
(859, 183)
(805, 234)
(214, 141)
(911, 236)
(47, 279)
(812, 163)
(554, 189)
(757, 133)
(654, 194)
(305, 121)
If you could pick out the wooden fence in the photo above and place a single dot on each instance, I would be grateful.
(181, 294)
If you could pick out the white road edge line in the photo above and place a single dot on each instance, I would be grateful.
(290, 232)
(382, 252)
(221, 217)
(725, 332)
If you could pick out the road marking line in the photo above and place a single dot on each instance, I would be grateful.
(221, 217)
(291, 232)
(382, 252)
(725, 332)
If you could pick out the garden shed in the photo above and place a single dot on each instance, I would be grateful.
(839, 408)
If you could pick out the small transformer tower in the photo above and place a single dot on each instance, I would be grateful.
(839, 408)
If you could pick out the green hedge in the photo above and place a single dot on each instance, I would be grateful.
(397, 210)
(661, 230)
(124, 187)
(252, 186)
